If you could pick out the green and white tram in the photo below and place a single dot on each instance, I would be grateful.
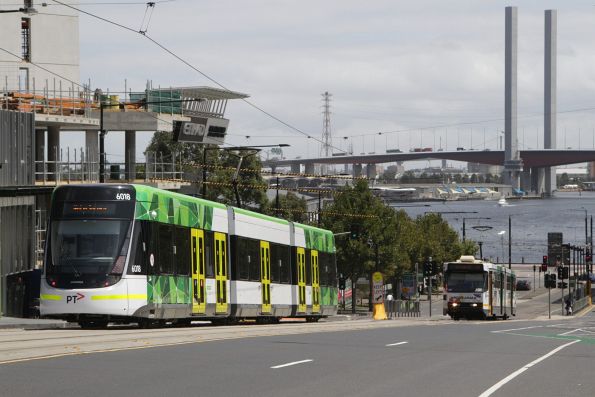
(133, 253)
(477, 289)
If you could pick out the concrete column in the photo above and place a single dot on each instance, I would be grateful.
(550, 91)
(53, 152)
(130, 153)
(295, 168)
(39, 153)
(512, 163)
(309, 168)
(92, 150)
(357, 170)
(538, 178)
(371, 171)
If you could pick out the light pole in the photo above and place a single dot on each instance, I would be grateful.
(501, 233)
(251, 149)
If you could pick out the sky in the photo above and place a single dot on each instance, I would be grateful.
(402, 74)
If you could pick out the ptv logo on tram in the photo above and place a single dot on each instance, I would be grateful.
(74, 298)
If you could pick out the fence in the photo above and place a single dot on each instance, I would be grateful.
(402, 308)
(81, 170)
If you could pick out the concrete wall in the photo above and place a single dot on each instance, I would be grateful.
(54, 44)
(17, 222)
(16, 148)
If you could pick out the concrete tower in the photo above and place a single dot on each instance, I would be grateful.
(549, 111)
(513, 165)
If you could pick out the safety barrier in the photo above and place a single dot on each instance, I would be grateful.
(402, 308)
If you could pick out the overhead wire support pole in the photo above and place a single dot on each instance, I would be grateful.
(509, 243)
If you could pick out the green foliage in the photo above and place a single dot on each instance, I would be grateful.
(291, 207)
(399, 240)
(162, 144)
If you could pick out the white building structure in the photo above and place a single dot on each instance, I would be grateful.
(43, 35)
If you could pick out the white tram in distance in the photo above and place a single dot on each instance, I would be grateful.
(478, 289)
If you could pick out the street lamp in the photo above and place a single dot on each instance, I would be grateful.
(501, 233)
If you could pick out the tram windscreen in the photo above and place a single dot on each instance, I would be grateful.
(465, 282)
(88, 247)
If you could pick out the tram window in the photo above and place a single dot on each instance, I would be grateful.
(243, 258)
(322, 268)
(275, 263)
(285, 265)
(182, 252)
(209, 254)
(166, 251)
(308, 261)
(138, 257)
(253, 249)
(332, 263)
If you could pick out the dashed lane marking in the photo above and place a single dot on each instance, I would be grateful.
(292, 363)
(396, 344)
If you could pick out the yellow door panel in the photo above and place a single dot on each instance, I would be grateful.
(265, 276)
(315, 282)
(221, 272)
(301, 261)
(198, 271)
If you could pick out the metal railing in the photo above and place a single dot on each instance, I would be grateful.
(60, 172)
(402, 308)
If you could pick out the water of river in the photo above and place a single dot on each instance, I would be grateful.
(531, 221)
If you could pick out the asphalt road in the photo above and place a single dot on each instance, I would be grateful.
(350, 358)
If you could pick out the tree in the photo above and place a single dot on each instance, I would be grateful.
(292, 208)
(219, 188)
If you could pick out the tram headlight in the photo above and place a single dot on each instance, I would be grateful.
(474, 304)
(454, 304)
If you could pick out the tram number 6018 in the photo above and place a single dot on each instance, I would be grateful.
(123, 196)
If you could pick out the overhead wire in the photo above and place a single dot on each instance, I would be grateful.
(205, 75)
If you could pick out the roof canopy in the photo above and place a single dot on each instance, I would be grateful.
(204, 92)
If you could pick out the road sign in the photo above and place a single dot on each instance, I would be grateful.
(377, 287)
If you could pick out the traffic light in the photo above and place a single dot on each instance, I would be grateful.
(560, 272)
(427, 269)
(544, 264)
(436, 268)
(565, 272)
(342, 283)
(550, 280)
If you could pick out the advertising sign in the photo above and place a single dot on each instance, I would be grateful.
(192, 132)
(377, 287)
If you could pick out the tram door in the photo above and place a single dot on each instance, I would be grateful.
(315, 282)
(301, 262)
(198, 272)
(221, 273)
(491, 291)
(265, 276)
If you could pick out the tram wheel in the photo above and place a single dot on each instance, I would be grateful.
(312, 319)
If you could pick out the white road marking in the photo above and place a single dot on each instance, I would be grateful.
(290, 364)
(396, 344)
(517, 329)
(569, 332)
(516, 373)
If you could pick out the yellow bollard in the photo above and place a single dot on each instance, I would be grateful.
(379, 312)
